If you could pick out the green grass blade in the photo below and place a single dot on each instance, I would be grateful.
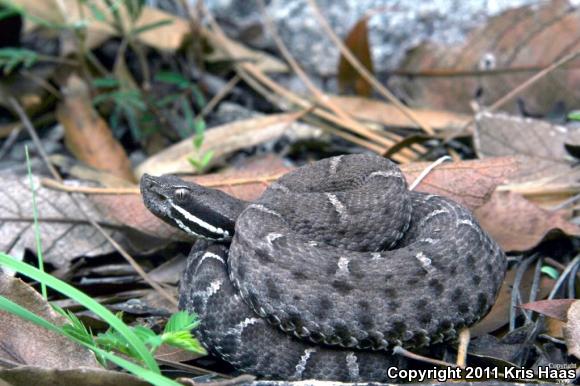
(86, 301)
(146, 374)
(36, 228)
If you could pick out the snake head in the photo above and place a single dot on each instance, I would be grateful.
(199, 211)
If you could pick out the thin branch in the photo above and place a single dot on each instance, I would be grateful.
(518, 90)
(32, 132)
(411, 355)
(362, 70)
(249, 70)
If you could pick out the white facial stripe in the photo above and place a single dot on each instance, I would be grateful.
(199, 222)
(185, 228)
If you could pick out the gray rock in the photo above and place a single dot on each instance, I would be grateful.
(397, 25)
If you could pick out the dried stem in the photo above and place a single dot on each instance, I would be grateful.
(370, 78)
(32, 132)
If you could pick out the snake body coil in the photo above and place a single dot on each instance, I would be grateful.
(336, 264)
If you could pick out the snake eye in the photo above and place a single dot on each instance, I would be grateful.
(180, 194)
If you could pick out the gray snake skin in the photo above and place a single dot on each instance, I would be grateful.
(331, 268)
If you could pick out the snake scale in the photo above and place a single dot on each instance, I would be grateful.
(331, 268)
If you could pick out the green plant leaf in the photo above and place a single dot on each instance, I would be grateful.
(550, 271)
(184, 340)
(205, 160)
(107, 82)
(171, 77)
(95, 11)
(134, 8)
(36, 227)
(86, 301)
(8, 12)
(151, 26)
(574, 115)
(181, 321)
(10, 58)
(146, 374)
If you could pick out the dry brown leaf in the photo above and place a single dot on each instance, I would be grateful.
(540, 144)
(470, 183)
(554, 308)
(387, 114)
(529, 37)
(357, 41)
(168, 37)
(87, 135)
(572, 330)
(64, 231)
(224, 140)
(519, 225)
(555, 328)
(86, 376)
(226, 49)
(25, 343)
(498, 316)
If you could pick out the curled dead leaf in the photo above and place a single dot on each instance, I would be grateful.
(87, 135)
(554, 308)
(498, 57)
(25, 343)
(518, 224)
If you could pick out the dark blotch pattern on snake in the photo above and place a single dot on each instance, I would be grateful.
(336, 264)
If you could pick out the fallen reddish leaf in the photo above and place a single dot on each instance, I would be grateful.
(540, 145)
(528, 38)
(378, 111)
(554, 308)
(25, 343)
(357, 41)
(87, 135)
(470, 183)
(519, 225)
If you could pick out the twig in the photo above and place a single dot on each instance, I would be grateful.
(218, 97)
(464, 337)
(320, 97)
(249, 70)
(7, 145)
(522, 268)
(35, 139)
(58, 185)
(32, 132)
(428, 170)
(370, 78)
(408, 354)
(190, 368)
(516, 91)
